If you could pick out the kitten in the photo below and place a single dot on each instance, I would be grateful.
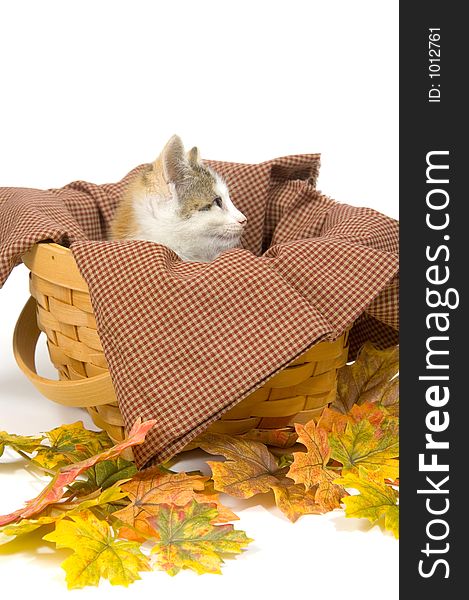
(179, 202)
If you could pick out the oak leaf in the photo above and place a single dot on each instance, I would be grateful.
(363, 445)
(376, 500)
(310, 467)
(54, 491)
(249, 469)
(19, 443)
(97, 553)
(70, 444)
(368, 378)
(188, 539)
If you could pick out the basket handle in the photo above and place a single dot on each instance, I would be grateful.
(92, 391)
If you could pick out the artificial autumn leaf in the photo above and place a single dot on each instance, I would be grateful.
(150, 488)
(210, 496)
(55, 512)
(375, 501)
(19, 443)
(363, 445)
(105, 474)
(367, 379)
(310, 467)
(280, 438)
(390, 398)
(294, 500)
(55, 490)
(107, 496)
(97, 553)
(249, 469)
(333, 421)
(9, 532)
(285, 460)
(188, 539)
(70, 444)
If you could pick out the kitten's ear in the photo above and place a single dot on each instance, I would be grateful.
(173, 159)
(194, 156)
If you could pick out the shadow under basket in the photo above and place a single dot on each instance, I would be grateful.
(60, 307)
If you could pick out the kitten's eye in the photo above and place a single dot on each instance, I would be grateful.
(218, 201)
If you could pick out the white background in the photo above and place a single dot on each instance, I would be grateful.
(88, 90)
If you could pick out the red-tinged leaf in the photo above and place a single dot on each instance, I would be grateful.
(188, 539)
(310, 468)
(55, 490)
(70, 444)
(150, 488)
(333, 421)
(295, 501)
(364, 445)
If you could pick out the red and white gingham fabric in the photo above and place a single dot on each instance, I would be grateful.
(186, 341)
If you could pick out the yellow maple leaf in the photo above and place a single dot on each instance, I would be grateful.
(362, 444)
(69, 444)
(310, 467)
(97, 553)
(188, 539)
(376, 500)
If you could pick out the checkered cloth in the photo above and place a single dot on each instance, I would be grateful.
(186, 341)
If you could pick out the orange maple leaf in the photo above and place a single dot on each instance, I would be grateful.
(310, 467)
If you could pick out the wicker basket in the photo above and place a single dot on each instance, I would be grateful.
(60, 307)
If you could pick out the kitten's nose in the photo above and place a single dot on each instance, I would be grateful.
(242, 220)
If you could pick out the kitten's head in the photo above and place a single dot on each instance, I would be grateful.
(199, 218)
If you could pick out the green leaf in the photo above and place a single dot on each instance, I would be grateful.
(104, 475)
(188, 539)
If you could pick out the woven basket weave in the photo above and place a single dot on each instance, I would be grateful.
(60, 307)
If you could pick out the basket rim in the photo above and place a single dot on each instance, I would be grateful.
(56, 264)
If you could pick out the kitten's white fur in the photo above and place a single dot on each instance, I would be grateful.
(202, 237)
(182, 203)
